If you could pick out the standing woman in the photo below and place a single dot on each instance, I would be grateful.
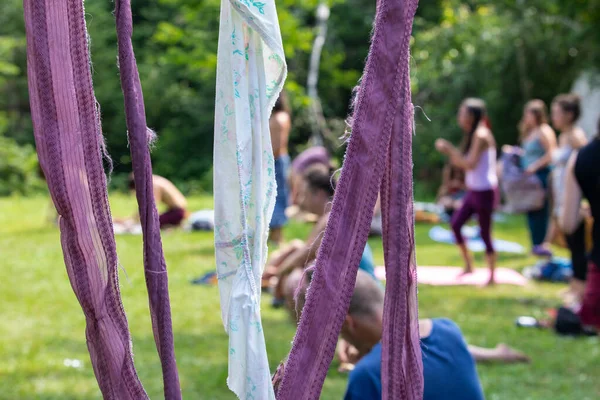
(565, 113)
(538, 141)
(479, 162)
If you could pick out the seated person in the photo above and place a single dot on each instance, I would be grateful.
(317, 189)
(448, 362)
(167, 194)
(316, 155)
(452, 190)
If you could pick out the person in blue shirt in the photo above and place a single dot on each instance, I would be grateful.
(448, 362)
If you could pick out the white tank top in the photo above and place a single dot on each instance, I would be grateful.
(483, 176)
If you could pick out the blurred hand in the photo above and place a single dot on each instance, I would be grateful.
(507, 148)
(530, 170)
(442, 145)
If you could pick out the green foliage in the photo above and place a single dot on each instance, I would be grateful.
(505, 51)
(18, 168)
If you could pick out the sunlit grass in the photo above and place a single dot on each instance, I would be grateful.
(41, 324)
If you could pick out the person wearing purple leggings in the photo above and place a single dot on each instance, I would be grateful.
(478, 159)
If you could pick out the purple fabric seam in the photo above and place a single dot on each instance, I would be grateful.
(72, 163)
(346, 233)
(154, 262)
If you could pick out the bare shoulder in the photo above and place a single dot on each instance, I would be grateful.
(158, 180)
(485, 136)
(547, 131)
(547, 134)
(578, 139)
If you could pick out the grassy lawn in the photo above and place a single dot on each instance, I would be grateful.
(42, 326)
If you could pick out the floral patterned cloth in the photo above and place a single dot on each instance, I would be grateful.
(251, 70)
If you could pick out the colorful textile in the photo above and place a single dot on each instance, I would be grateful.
(522, 192)
(69, 143)
(473, 240)
(378, 157)
(70, 146)
(251, 70)
(454, 276)
(155, 268)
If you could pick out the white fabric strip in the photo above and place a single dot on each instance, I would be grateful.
(251, 71)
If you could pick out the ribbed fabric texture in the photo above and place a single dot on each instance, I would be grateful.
(70, 145)
(70, 148)
(140, 136)
(379, 156)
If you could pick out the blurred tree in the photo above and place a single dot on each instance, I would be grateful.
(505, 51)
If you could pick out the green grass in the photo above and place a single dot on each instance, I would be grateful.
(41, 324)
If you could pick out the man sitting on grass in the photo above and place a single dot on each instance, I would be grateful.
(448, 362)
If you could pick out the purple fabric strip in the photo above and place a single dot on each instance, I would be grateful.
(69, 145)
(380, 145)
(154, 261)
(401, 374)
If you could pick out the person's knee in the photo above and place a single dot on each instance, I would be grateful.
(489, 244)
(456, 226)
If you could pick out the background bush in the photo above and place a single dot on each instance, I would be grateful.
(505, 51)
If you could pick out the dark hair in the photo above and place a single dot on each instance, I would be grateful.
(475, 107)
(282, 104)
(540, 112)
(569, 103)
(321, 177)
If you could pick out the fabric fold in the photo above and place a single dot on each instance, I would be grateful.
(379, 147)
(155, 267)
(251, 71)
(70, 146)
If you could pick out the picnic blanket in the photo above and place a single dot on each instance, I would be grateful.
(473, 240)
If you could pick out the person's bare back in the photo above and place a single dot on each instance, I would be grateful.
(280, 125)
(166, 193)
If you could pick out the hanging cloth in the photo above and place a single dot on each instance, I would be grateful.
(155, 268)
(69, 144)
(378, 157)
(251, 70)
